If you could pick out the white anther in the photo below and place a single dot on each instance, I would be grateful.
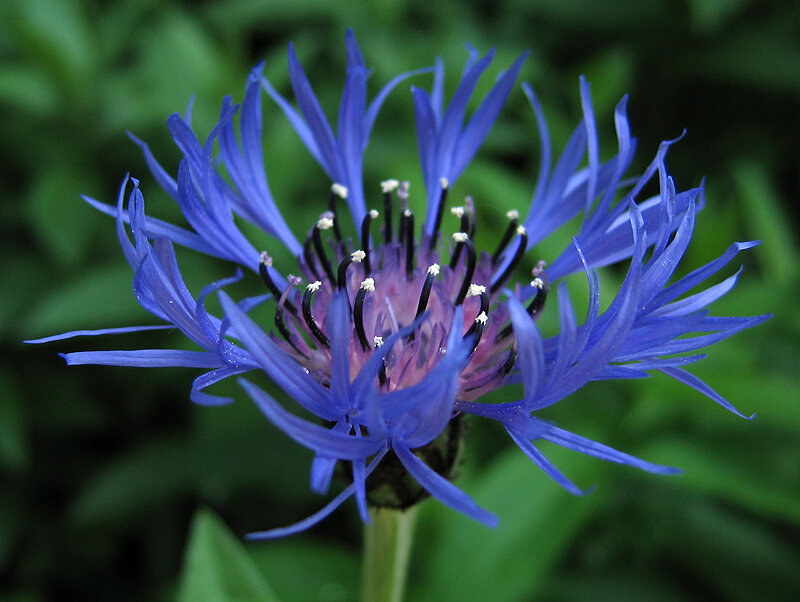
(377, 341)
(324, 223)
(482, 318)
(403, 192)
(475, 289)
(314, 286)
(294, 280)
(339, 190)
(265, 258)
(389, 186)
(537, 283)
(433, 269)
(368, 285)
(513, 214)
(521, 230)
(444, 182)
(407, 212)
(373, 214)
(358, 256)
(457, 211)
(460, 236)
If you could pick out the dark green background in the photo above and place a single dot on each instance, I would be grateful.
(103, 468)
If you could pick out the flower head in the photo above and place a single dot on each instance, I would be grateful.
(394, 334)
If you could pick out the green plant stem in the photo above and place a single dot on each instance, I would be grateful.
(387, 548)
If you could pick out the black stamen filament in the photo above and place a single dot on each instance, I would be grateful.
(513, 216)
(337, 191)
(382, 378)
(355, 256)
(460, 213)
(476, 290)
(461, 237)
(388, 187)
(280, 321)
(323, 224)
(407, 236)
(309, 319)
(437, 224)
(469, 207)
(534, 307)
(521, 248)
(433, 271)
(477, 329)
(510, 361)
(371, 215)
(367, 286)
(308, 257)
(263, 265)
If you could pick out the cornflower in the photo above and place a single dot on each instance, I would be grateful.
(399, 333)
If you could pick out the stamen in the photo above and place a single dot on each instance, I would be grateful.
(510, 361)
(476, 290)
(367, 286)
(324, 223)
(265, 262)
(433, 271)
(355, 256)
(534, 307)
(464, 227)
(407, 235)
(521, 248)
(388, 187)
(280, 321)
(461, 237)
(382, 378)
(437, 224)
(513, 217)
(337, 191)
(371, 215)
(477, 329)
(308, 256)
(312, 288)
(469, 206)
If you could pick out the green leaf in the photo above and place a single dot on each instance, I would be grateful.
(538, 520)
(303, 569)
(217, 567)
(14, 446)
(762, 204)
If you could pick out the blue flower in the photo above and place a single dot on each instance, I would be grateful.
(388, 345)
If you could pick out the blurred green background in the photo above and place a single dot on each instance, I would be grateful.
(103, 469)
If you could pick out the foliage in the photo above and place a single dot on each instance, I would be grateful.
(102, 471)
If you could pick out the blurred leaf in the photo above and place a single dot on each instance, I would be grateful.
(57, 33)
(217, 567)
(56, 211)
(309, 570)
(760, 202)
(715, 471)
(27, 90)
(709, 15)
(739, 558)
(100, 297)
(464, 560)
(14, 445)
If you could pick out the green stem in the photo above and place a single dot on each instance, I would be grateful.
(387, 547)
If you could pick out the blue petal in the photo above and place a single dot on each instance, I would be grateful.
(94, 333)
(283, 370)
(442, 489)
(321, 514)
(145, 358)
(323, 441)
